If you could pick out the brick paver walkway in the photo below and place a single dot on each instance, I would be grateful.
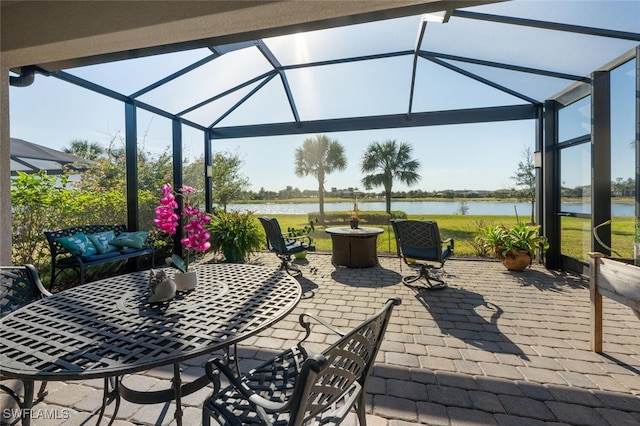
(494, 348)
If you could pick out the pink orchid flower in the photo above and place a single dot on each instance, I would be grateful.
(196, 236)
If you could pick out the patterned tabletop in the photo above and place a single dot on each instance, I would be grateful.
(108, 327)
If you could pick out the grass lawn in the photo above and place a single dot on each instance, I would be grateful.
(577, 234)
(464, 228)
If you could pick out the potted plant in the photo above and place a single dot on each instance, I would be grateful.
(300, 232)
(195, 238)
(515, 246)
(235, 234)
(355, 219)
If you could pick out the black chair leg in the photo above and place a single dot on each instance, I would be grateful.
(43, 392)
(288, 266)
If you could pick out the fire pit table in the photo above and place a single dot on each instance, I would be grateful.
(354, 248)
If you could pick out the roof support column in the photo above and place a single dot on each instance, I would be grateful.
(601, 158)
(208, 179)
(5, 171)
(637, 236)
(177, 181)
(538, 162)
(551, 185)
(131, 161)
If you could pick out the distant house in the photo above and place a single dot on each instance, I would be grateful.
(28, 157)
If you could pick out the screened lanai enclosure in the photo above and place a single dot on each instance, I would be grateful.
(570, 67)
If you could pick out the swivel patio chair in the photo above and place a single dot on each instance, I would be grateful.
(285, 245)
(299, 387)
(419, 244)
(19, 286)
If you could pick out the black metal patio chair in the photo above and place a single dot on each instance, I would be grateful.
(19, 286)
(284, 245)
(299, 387)
(419, 244)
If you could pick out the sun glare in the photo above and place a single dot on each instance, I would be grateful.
(305, 79)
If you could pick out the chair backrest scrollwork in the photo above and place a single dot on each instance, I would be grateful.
(19, 286)
(419, 239)
(342, 370)
(275, 240)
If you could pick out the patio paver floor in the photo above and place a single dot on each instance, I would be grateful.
(494, 348)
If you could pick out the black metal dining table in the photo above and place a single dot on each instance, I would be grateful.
(107, 328)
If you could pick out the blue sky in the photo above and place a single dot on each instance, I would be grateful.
(473, 156)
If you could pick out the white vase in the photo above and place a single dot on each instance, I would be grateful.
(185, 281)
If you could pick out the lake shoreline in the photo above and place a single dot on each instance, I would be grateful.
(415, 207)
(624, 201)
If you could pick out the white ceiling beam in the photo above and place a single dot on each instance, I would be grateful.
(60, 34)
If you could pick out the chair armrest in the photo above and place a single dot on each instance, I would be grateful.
(35, 277)
(305, 237)
(213, 374)
(300, 238)
(447, 241)
(307, 325)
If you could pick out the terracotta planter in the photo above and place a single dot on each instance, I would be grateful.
(518, 263)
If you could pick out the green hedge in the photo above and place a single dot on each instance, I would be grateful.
(366, 217)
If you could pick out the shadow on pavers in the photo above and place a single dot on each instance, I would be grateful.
(371, 277)
(454, 310)
(549, 280)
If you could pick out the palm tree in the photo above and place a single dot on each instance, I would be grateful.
(386, 162)
(85, 149)
(319, 157)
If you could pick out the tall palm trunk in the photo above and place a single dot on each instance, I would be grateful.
(387, 200)
(321, 195)
(388, 184)
(321, 201)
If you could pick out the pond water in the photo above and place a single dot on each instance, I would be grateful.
(486, 208)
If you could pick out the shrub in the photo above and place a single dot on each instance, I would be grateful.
(235, 234)
(366, 217)
(41, 202)
(478, 244)
(38, 202)
(300, 232)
